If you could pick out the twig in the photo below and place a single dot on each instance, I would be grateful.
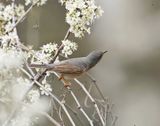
(86, 99)
(93, 101)
(50, 118)
(94, 82)
(114, 121)
(80, 108)
(78, 104)
(22, 17)
(60, 115)
(53, 96)
(30, 70)
(75, 114)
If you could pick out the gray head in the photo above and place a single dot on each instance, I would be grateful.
(94, 57)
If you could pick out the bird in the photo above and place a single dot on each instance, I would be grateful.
(73, 67)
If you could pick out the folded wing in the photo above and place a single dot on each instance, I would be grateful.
(67, 69)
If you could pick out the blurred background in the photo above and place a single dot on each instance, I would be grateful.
(129, 73)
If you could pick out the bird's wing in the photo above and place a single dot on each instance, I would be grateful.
(67, 68)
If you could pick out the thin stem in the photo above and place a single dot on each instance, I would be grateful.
(67, 34)
(86, 99)
(80, 108)
(22, 17)
(75, 114)
(30, 70)
(78, 104)
(114, 121)
(94, 81)
(93, 101)
(50, 118)
(53, 96)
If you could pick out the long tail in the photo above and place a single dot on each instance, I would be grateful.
(38, 65)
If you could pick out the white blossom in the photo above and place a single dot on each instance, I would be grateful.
(33, 96)
(49, 48)
(80, 15)
(19, 10)
(45, 53)
(47, 88)
(7, 13)
(11, 38)
(69, 47)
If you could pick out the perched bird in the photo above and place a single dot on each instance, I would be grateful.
(74, 67)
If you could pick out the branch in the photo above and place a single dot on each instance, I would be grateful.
(94, 82)
(78, 104)
(53, 96)
(93, 101)
(50, 118)
(22, 17)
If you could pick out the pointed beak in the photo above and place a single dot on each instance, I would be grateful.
(105, 52)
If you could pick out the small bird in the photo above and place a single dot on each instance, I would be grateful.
(74, 67)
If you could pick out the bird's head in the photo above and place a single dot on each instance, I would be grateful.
(95, 56)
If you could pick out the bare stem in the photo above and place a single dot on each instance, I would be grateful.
(50, 118)
(93, 101)
(94, 82)
(78, 104)
(53, 96)
(22, 17)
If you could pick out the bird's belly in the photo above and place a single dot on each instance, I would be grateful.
(70, 76)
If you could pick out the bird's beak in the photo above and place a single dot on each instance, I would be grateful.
(105, 52)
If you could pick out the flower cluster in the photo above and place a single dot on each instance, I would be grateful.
(80, 15)
(49, 48)
(38, 2)
(47, 87)
(7, 12)
(33, 95)
(44, 54)
(69, 47)
(8, 39)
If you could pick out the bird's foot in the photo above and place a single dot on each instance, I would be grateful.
(60, 78)
(66, 85)
(65, 82)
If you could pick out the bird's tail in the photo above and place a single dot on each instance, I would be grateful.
(38, 65)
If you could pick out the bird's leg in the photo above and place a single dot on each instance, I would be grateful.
(65, 82)
(61, 77)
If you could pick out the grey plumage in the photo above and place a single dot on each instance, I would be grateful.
(75, 66)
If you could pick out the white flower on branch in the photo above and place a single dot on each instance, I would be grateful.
(47, 88)
(44, 55)
(69, 47)
(19, 10)
(7, 12)
(33, 95)
(80, 15)
(49, 48)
